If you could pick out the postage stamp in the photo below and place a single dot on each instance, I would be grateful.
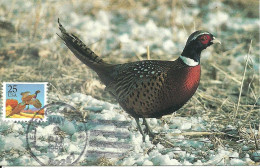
(24, 100)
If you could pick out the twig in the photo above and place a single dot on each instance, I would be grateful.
(164, 140)
(222, 104)
(213, 99)
(227, 75)
(196, 133)
(11, 9)
(243, 78)
(251, 110)
(139, 57)
(167, 142)
(148, 53)
(254, 136)
(37, 19)
(173, 14)
(232, 51)
(194, 26)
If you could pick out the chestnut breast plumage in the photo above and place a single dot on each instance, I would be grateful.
(184, 82)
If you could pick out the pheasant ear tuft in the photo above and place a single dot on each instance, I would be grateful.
(196, 34)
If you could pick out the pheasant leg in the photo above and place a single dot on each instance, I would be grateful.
(148, 129)
(139, 128)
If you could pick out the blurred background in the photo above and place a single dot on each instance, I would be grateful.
(121, 31)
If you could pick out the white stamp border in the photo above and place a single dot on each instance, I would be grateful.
(23, 119)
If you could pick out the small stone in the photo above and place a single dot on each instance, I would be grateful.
(256, 156)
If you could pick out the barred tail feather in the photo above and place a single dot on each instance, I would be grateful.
(80, 50)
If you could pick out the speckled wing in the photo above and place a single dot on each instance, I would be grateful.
(36, 103)
(129, 77)
(24, 95)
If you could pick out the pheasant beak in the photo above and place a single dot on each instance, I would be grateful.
(214, 41)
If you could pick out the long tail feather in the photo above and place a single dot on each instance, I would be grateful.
(80, 50)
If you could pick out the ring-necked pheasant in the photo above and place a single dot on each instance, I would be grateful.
(31, 99)
(149, 88)
(27, 99)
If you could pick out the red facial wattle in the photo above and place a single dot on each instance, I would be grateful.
(205, 39)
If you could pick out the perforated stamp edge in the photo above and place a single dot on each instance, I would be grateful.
(3, 97)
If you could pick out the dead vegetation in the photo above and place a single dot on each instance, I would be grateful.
(228, 96)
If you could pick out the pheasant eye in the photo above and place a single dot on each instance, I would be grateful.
(205, 39)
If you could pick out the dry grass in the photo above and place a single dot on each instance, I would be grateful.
(229, 90)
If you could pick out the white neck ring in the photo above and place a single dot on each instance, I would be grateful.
(189, 61)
